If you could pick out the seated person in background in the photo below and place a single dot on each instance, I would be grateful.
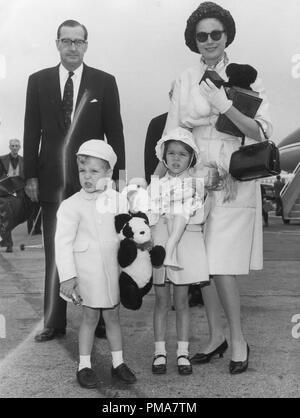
(12, 165)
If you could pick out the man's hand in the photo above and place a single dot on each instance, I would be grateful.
(32, 189)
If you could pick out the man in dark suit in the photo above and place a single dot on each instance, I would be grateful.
(51, 170)
(154, 133)
(13, 166)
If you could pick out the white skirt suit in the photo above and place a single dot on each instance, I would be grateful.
(86, 246)
(233, 231)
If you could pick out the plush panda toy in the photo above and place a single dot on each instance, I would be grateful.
(136, 257)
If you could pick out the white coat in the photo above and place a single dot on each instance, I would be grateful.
(86, 245)
(233, 231)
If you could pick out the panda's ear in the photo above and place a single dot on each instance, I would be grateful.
(121, 220)
(143, 216)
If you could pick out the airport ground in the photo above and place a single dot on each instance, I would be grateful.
(270, 303)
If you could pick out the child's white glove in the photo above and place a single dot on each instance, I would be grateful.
(216, 97)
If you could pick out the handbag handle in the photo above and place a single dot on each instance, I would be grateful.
(260, 127)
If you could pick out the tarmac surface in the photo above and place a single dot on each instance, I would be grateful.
(270, 303)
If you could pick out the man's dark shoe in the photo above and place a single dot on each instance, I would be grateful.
(100, 331)
(87, 378)
(9, 249)
(48, 334)
(123, 373)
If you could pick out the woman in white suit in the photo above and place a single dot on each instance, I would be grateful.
(86, 247)
(233, 234)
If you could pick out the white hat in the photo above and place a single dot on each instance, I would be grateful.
(99, 149)
(177, 134)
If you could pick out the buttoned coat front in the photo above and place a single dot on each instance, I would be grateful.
(86, 245)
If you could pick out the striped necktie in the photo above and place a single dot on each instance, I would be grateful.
(67, 102)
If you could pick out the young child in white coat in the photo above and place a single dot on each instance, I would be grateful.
(86, 246)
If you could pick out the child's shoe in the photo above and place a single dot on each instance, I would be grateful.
(123, 373)
(87, 378)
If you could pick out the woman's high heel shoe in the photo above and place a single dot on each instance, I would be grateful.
(202, 358)
(236, 367)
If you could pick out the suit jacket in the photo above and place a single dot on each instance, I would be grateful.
(45, 132)
(154, 133)
(5, 159)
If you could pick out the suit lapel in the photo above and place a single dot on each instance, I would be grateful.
(83, 83)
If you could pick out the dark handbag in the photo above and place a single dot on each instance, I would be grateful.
(246, 101)
(255, 161)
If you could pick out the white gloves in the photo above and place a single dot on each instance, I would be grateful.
(216, 97)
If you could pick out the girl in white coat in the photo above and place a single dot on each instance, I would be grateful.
(86, 245)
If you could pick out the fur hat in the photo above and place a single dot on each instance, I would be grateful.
(99, 149)
(206, 10)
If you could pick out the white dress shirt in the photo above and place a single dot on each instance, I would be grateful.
(63, 76)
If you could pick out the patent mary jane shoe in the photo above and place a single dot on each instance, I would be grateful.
(184, 369)
(159, 368)
(237, 367)
(202, 358)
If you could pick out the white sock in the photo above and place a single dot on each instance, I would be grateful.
(117, 358)
(160, 348)
(84, 361)
(183, 350)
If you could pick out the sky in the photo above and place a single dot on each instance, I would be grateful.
(141, 42)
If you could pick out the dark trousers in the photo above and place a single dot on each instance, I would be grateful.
(278, 206)
(55, 308)
(7, 239)
(33, 218)
(265, 217)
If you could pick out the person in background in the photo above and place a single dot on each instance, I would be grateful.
(154, 133)
(278, 186)
(265, 205)
(13, 166)
(53, 95)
